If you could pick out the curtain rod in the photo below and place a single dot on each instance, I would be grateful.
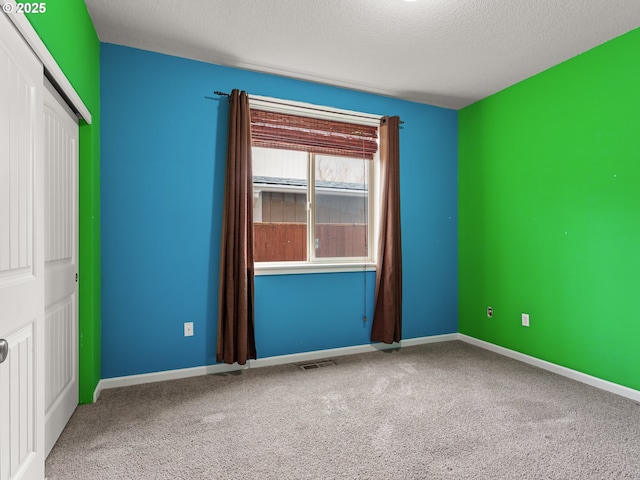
(283, 102)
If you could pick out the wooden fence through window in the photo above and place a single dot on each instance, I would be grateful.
(281, 242)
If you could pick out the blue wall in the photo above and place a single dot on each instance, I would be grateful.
(163, 155)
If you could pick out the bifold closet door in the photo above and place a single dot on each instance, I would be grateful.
(21, 259)
(61, 264)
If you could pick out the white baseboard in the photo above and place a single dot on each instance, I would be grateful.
(96, 392)
(552, 367)
(130, 380)
(338, 352)
(410, 342)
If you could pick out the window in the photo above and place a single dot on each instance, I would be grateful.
(313, 181)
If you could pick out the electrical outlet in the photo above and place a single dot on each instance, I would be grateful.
(489, 312)
(188, 329)
(525, 319)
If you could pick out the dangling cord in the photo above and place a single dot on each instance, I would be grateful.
(366, 232)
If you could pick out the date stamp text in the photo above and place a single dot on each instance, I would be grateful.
(29, 7)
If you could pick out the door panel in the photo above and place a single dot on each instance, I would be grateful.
(61, 311)
(18, 374)
(21, 259)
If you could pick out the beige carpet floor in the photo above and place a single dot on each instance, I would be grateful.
(438, 411)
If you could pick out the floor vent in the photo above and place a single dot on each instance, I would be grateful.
(312, 366)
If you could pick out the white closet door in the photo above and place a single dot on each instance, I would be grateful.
(61, 264)
(21, 260)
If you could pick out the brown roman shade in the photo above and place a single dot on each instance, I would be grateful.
(292, 132)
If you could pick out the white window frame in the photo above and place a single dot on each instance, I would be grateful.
(314, 264)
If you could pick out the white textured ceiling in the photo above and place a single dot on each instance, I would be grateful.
(442, 52)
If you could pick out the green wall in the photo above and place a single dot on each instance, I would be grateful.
(67, 31)
(549, 214)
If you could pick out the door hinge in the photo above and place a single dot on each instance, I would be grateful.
(76, 278)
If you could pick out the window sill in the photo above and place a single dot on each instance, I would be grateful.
(297, 268)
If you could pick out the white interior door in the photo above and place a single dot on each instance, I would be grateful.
(21, 260)
(61, 264)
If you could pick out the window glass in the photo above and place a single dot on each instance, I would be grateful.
(280, 205)
(341, 207)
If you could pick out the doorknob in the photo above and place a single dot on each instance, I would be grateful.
(4, 349)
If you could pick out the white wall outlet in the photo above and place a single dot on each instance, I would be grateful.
(489, 312)
(525, 319)
(188, 329)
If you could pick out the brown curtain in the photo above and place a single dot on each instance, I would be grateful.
(387, 315)
(236, 341)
